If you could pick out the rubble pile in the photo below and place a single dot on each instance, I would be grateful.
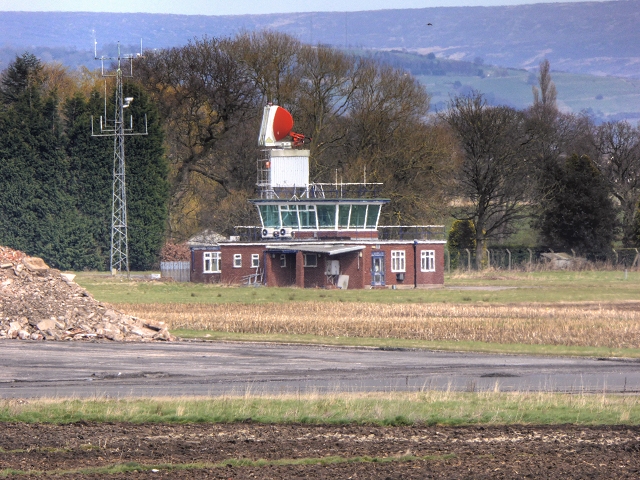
(41, 303)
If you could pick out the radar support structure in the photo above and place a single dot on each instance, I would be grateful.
(119, 255)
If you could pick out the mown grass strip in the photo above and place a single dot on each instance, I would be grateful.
(390, 408)
(392, 343)
(542, 286)
(242, 462)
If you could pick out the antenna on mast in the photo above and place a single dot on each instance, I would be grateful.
(119, 258)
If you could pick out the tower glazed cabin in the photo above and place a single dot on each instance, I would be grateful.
(322, 235)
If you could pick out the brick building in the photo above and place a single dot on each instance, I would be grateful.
(318, 235)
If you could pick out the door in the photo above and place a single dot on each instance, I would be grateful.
(377, 268)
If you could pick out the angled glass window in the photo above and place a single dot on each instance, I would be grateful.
(372, 216)
(270, 217)
(343, 216)
(358, 214)
(326, 216)
(307, 214)
(289, 215)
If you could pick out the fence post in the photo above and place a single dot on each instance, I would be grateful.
(509, 252)
(616, 254)
(448, 261)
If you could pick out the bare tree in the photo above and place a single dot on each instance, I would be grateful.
(618, 158)
(271, 60)
(204, 93)
(328, 81)
(545, 94)
(492, 181)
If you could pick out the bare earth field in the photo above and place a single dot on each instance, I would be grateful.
(213, 451)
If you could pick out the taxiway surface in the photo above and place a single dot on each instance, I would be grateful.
(83, 369)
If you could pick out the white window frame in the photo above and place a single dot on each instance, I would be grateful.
(283, 260)
(211, 262)
(237, 260)
(428, 261)
(398, 261)
(255, 260)
(307, 263)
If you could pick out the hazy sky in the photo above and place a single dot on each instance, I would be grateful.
(238, 7)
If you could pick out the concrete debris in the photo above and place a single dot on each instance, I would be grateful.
(41, 303)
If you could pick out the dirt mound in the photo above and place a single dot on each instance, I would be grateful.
(41, 303)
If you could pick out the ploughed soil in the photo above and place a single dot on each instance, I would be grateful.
(548, 452)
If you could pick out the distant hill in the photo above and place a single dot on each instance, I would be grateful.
(599, 38)
(493, 49)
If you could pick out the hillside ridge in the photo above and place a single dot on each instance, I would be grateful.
(597, 38)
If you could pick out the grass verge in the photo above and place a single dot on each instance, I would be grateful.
(496, 287)
(391, 408)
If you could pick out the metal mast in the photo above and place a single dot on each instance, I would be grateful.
(119, 258)
(119, 237)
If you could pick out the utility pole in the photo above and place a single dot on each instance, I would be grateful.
(119, 258)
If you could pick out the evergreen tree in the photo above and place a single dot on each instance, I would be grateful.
(91, 171)
(38, 214)
(577, 212)
(462, 236)
(147, 183)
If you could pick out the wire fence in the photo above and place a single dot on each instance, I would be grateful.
(526, 258)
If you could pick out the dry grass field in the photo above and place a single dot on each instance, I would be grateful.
(610, 325)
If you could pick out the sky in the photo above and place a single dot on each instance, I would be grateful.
(239, 7)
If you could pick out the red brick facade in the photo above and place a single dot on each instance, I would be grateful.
(400, 264)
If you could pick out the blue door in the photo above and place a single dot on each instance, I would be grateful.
(377, 268)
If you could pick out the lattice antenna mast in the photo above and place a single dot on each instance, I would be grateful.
(119, 259)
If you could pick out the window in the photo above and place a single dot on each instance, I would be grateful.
(307, 214)
(270, 217)
(255, 260)
(211, 262)
(289, 215)
(343, 216)
(327, 216)
(397, 261)
(310, 260)
(283, 260)
(358, 216)
(237, 260)
(372, 215)
(428, 261)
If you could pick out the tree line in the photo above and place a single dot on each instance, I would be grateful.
(490, 167)
(56, 179)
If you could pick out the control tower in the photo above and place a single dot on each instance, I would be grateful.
(290, 206)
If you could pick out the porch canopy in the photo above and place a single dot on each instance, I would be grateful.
(326, 249)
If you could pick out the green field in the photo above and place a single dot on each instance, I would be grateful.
(603, 95)
(489, 287)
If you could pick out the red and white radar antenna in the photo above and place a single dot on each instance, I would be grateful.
(276, 126)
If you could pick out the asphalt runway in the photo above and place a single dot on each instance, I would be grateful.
(99, 369)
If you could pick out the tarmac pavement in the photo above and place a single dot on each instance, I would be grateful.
(30, 369)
